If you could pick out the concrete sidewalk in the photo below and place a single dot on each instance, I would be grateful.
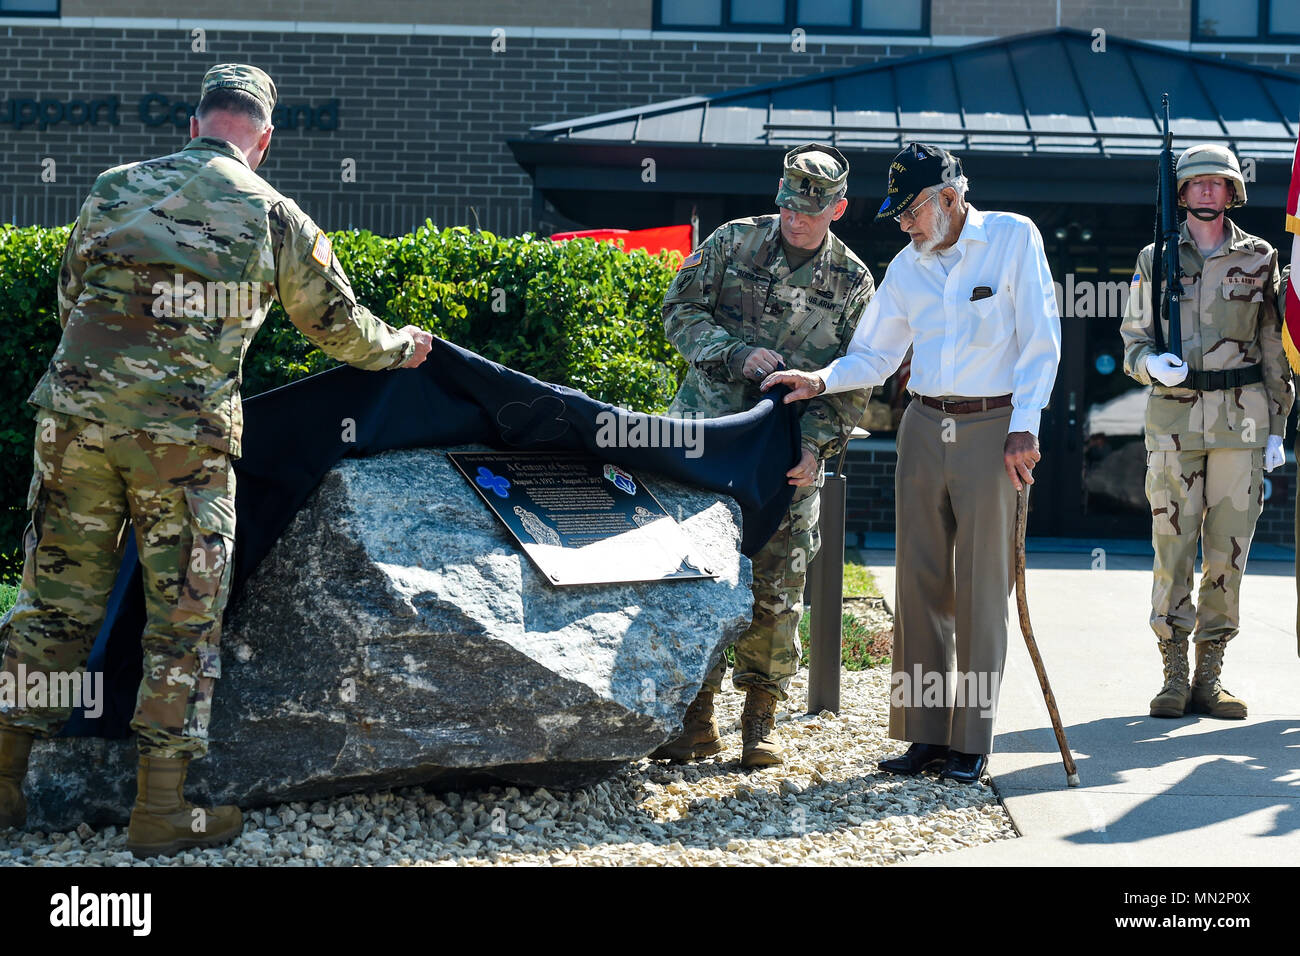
(1194, 791)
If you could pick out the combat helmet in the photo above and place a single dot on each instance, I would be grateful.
(1207, 159)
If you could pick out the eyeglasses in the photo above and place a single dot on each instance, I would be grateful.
(910, 214)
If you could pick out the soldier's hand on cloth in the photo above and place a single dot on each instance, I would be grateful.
(1167, 368)
(1274, 453)
(423, 344)
(804, 473)
(1020, 454)
(803, 384)
(760, 362)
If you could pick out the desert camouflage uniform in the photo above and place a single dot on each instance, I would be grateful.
(736, 293)
(1205, 449)
(139, 416)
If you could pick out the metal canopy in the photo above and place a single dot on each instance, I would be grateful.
(1040, 93)
(1005, 106)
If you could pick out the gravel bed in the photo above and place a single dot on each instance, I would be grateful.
(827, 806)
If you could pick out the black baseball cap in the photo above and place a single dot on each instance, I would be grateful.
(915, 167)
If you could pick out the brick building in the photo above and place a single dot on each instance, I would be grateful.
(399, 111)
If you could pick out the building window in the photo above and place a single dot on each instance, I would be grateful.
(693, 13)
(1246, 21)
(29, 8)
(907, 17)
(758, 12)
(825, 13)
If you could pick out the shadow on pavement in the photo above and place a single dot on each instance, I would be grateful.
(1250, 767)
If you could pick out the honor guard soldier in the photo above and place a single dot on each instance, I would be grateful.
(138, 418)
(1214, 423)
(760, 294)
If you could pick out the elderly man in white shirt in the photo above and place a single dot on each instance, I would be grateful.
(972, 295)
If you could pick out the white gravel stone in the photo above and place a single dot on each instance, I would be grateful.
(827, 806)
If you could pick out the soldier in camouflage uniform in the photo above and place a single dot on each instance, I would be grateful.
(167, 276)
(757, 293)
(1214, 424)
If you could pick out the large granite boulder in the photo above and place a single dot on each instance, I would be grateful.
(396, 635)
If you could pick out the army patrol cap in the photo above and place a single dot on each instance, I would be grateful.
(240, 76)
(816, 176)
(916, 167)
(1208, 159)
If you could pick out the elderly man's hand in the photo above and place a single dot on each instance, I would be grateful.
(804, 473)
(423, 344)
(804, 384)
(1019, 455)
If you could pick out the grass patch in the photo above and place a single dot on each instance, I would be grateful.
(8, 595)
(859, 581)
(856, 644)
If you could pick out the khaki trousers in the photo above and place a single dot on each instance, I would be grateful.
(955, 517)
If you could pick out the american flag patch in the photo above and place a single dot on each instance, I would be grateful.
(692, 260)
(320, 249)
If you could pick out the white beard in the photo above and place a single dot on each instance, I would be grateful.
(942, 220)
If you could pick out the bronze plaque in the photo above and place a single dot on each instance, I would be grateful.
(579, 519)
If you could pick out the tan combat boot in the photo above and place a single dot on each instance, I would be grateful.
(162, 822)
(1173, 697)
(1208, 695)
(758, 741)
(15, 748)
(699, 736)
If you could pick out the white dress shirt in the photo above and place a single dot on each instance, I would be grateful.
(1005, 342)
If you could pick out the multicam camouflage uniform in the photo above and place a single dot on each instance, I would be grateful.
(736, 292)
(1205, 448)
(167, 276)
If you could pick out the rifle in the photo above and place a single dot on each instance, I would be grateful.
(1166, 274)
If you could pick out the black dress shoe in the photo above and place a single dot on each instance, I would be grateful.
(918, 757)
(964, 768)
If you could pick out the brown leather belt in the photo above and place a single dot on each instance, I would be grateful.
(966, 406)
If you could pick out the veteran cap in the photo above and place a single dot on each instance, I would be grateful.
(240, 76)
(815, 177)
(916, 167)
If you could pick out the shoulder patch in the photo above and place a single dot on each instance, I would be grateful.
(321, 250)
(692, 260)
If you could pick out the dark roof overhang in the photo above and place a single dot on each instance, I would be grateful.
(1032, 116)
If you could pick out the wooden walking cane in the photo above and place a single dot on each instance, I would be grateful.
(1022, 605)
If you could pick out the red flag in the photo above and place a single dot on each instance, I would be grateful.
(1291, 327)
(651, 240)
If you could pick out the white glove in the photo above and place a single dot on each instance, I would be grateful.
(1274, 454)
(1166, 368)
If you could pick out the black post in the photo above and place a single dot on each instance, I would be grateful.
(826, 586)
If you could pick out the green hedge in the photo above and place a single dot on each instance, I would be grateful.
(579, 313)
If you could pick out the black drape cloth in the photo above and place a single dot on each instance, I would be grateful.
(293, 435)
